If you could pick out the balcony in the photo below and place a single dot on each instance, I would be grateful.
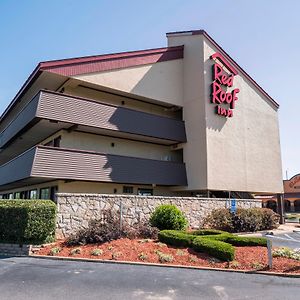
(42, 164)
(49, 112)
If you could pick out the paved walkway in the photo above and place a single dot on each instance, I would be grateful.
(42, 279)
(282, 229)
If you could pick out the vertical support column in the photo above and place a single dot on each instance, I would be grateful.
(292, 207)
(280, 208)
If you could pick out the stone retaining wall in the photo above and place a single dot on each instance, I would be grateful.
(75, 210)
(14, 249)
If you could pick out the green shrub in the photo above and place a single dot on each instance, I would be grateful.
(27, 221)
(207, 232)
(250, 219)
(245, 220)
(246, 241)
(168, 217)
(176, 238)
(164, 257)
(270, 219)
(96, 252)
(55, 250)
(214, 241)
(218, 249)
(220, 219)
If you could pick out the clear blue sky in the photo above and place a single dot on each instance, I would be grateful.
(262, 36)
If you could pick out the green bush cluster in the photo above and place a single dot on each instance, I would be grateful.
(244, 220)
(214, 242)
(218, 249)
(168, 216)
(27, 221)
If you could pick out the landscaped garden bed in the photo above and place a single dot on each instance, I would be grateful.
(151, 251)
(166, 239)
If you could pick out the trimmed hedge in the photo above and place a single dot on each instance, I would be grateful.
(246, 241)
(215, 248)
(27, 221)
(212, 241)
(207, 232)
(176, 238)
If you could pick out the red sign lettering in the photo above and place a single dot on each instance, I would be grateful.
(222, 81)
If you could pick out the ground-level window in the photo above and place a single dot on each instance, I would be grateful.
(33, 194)
(53, 192)
(24, 195)
(145, 192)
(128, 189)
(45, 193)
(17, 195)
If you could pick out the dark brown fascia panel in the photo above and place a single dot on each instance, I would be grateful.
(72, 164)
(80, 111)
(20, 122)
(86, 112)
(68, 164)
(17, 169)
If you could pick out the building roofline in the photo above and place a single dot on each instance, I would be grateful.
(227, 56)
(298, 174)
(135, 57)
(71, 66)
(87, 59)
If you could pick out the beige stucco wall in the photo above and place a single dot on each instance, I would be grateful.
(102, 144)
(160, 81)
(238, 154)
(194, 151)
(76, 89)
(108, 188)
(243, 152)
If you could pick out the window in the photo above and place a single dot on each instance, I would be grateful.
(53, 191)
(10, 196)
(128, 189)
(33, 194)
(145, 192)
(24, 195)
(17, 195)
(45, 193)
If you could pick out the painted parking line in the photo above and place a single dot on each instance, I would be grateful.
(291, 238)
(283, 239)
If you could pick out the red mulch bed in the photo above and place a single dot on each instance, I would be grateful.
(139, 250)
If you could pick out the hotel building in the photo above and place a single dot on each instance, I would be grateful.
(181, 120)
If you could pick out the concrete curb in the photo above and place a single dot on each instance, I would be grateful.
(63, 258)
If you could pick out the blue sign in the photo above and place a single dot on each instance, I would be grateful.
(232, 205)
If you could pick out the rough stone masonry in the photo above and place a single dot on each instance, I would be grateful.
(76, 210)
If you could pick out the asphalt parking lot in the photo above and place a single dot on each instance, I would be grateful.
(290, 240)
(31, 278)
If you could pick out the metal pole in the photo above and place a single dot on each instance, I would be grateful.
(270, 257)
(280, 208)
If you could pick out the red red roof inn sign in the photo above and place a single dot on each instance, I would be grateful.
(222, 80)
